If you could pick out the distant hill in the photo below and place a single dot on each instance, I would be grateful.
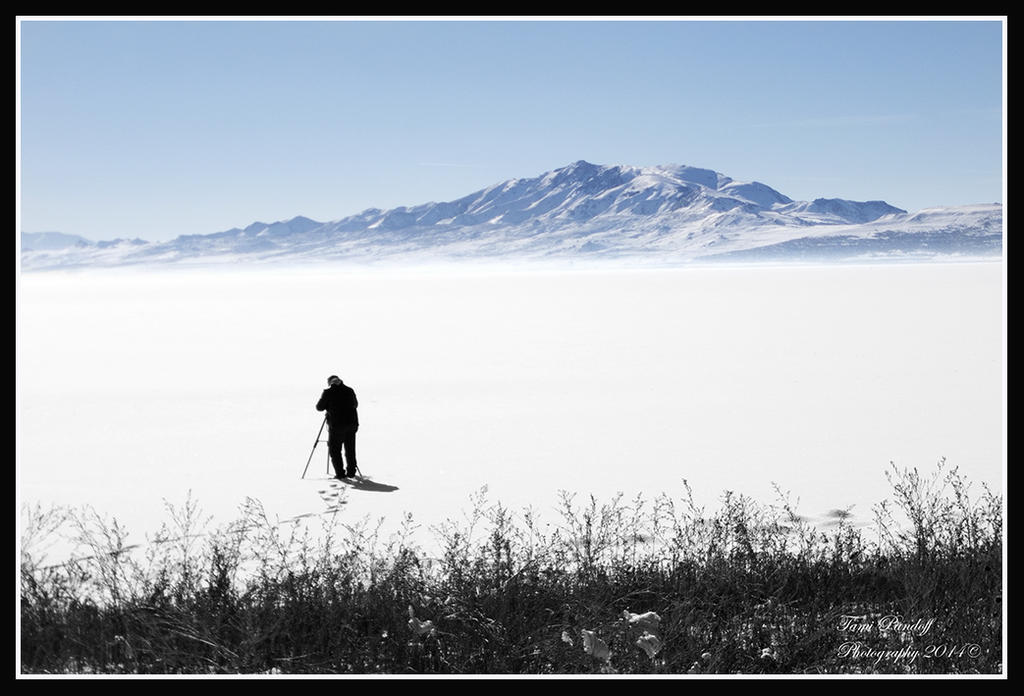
(48, 241)
(668, 214)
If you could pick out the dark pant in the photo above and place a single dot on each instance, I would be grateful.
(338, 437)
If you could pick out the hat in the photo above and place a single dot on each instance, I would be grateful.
(333, 378)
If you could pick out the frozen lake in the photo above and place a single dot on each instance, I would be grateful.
(136, 387)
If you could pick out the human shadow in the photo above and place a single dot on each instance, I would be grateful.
(363, 483)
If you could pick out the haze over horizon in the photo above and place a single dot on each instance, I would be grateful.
(154, 129)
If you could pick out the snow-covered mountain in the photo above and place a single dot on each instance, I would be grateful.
(669, 214)
(48, 241)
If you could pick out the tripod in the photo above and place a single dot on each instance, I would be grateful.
(318, 441)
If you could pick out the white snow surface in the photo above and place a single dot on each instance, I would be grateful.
(136, 388)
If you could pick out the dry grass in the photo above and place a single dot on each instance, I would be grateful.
(638, 586)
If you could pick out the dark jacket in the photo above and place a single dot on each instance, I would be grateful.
(340, 403)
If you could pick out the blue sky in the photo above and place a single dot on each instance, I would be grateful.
(153, 129)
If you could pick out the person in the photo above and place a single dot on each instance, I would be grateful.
(341, 405)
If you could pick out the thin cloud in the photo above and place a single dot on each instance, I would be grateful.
(449, 164)
(846, 120)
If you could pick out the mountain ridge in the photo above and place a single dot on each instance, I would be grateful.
(677, 213)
